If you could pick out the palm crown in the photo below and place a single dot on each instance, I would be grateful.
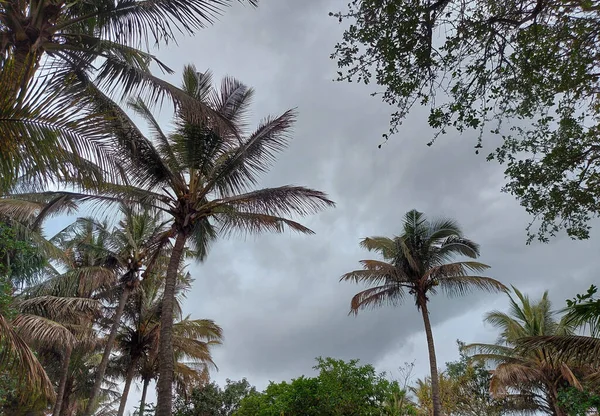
(201, 177)
(417, 261)
(536, 372)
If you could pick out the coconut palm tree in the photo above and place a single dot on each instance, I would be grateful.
(536, 373)
(418, 262)
(87, 273)
(139, 240)
(202, 177)
(27, 320)
(584, 350)
(57, 40)
(78, 34)
(139, 335)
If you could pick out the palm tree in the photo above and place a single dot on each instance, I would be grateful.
(29, 320)
(584, 350)
(537, 373)
(202, 178)
(76, 34)
(61, 41)
(138, 241)
(139, 336)
(417, 261)
(88, 273)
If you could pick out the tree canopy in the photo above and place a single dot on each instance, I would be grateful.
(525, 71)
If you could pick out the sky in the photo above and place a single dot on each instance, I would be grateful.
(278, 297)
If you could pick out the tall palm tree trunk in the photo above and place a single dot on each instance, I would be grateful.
(128, 380)
(63, 382)
(166, 364)
(107, 350)
(435, 380)
(66, 403)
(143, 399)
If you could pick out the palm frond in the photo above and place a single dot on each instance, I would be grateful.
(573, 348)
(38, 330)
(443, 228)
(135, 21)
(58, 308)
(281, 201)
(241, 167)
(233, 101)
(17, 357)
(461, 285)
(38, 135)
(242, 223)
(513, 374)
(453, 245)
(390, 294)
(382, 245)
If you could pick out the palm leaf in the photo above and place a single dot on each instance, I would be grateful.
(242, 223)
(390, 294)
(134, 21)
(43, 331)
(241, 167)
(59, 308)
(461, 285)
(281, 201)
(382, 245)
(17, 357)
(572, 348)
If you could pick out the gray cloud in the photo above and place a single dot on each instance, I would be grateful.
(278, 297)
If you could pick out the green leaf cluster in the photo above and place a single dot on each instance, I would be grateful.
(341, 388)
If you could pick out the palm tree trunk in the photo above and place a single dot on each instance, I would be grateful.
(143, 399)
(128, 380)
(435, 380)
(558, 411)
(107, 350)
(63, 382)
(166, 363)
(66, 403)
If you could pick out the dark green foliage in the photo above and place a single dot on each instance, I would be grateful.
(523, 71)
(577, 402)
(471, 380)
(212, 400)
(341, 388)
(584, 310)
(19, 262)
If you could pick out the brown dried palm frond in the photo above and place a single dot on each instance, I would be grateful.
(391, 294)
(17, 357)
(38, 330)
(579, 349)
(59, 308)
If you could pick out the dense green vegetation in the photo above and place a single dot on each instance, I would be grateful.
(87, 312)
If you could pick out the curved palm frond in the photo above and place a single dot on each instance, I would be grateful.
(59, 308)
(239, 168)
(462, 285)
(382, 245)
(36, 329)
(390, 294)
(17, 357)
(135, 20)
(570, 348)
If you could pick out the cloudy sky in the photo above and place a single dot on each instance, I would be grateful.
(277, 296)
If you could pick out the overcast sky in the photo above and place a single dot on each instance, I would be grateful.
(277, 296)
